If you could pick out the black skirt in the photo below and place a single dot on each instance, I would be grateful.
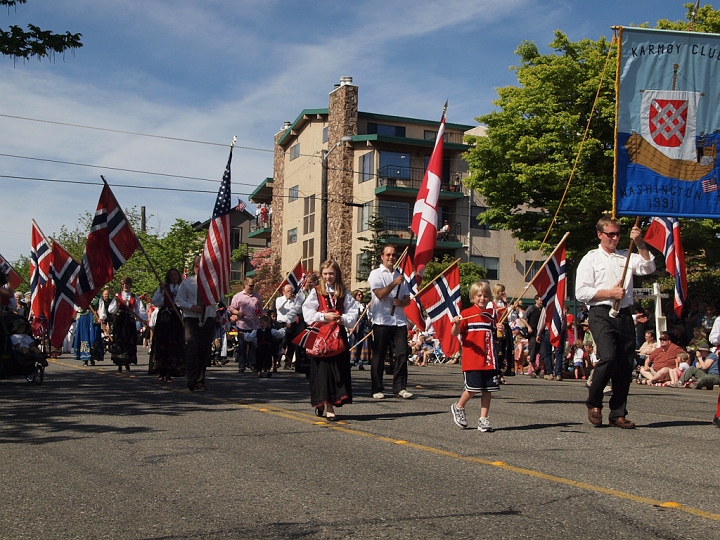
(330, 380)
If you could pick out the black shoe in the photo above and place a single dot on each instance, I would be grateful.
(319, 410)
(127, 367)
(241, 371)
(119, 369)
(361, 367)
(85, 364)
(191, 385)
(716, 421)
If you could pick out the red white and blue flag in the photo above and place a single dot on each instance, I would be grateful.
(214, 272)
(41, 288)
(664, 235)
(64, 272)
(13, 278)
(442, 302)
(413, 311)
(110, 243)
(425, 218)
(296, 278)
(550, 285)
(306, 338)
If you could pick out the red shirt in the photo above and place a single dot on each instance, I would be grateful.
(660, 359)
(478, 339)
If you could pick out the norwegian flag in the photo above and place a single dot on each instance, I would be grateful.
(306, 338)
(424, 222)
(550, 285)
(413, 311)
(214, 272)
(110, 243)
(13, 278)
(41, 288)
(64, 272)
(441, 300)
(296, 278)
(664, 235)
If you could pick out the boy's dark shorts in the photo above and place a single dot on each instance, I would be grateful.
(485, 380)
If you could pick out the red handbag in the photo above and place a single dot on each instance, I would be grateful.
(328, 341)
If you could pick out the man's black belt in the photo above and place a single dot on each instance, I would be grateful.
(622, 311)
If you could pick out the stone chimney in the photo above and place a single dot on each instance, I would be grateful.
(342, 121)
(278, 190)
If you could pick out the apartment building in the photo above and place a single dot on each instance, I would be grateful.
(335, 167)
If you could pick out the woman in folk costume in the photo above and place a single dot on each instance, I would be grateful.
(126, 306)
(168, 342)
(330, 383)
(87, 342)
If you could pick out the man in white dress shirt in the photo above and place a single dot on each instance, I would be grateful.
(599, 284)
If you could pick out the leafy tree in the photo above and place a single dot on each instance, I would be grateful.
(22, 267)
(36, 42)
(373, 250)
(706, 20)
(469, 274)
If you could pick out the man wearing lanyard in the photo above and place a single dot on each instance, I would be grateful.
(599, 284)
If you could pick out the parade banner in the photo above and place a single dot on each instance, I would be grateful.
(668, 124)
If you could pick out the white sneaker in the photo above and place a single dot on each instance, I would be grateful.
(484, 425)
(378, 395)
(404, 394)
(458, 415)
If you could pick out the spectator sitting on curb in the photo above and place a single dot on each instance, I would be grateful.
(658, 365)
(705, 371)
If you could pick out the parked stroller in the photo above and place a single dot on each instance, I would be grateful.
(28, 362)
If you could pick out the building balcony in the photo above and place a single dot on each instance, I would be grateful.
(399, 230)
(260, 228)
(407, 181)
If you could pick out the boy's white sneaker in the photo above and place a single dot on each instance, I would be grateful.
(484, 425)
(458, 415)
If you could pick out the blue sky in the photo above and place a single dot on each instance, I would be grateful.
(206, 71)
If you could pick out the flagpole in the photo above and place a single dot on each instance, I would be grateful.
(283, 281)
(13, 269)
(614, 312)
(360, 318)
(142, 248)
(436, 277)
(363, 339)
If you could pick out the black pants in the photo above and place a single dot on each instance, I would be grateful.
(615, 342)
(199, 347)
(383, 337)
(533, 350)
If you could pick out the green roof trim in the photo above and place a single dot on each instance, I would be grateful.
(263, 184)
(407, 120)
(300, 118)
(409, 141)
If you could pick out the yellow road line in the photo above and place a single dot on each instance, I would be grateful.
(313, 420)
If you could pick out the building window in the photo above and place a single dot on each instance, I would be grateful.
(395, 215)
(395, 164)
(308, 254)
(292, 236)
(384, 129)
(325, 134)
(363, 266)
(295, 151)
(293, 194)
(309, 215)
(475, 211)
(533, 268)
(367, 167)
(364, 213)
(445, 171)
(430, 135)
(491, 264)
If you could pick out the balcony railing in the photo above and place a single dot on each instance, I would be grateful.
(411, 177)
(400, 227)
(258, 223)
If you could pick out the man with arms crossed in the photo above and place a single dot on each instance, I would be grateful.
(599, 284)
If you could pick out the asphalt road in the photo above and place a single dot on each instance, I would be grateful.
(94, 454)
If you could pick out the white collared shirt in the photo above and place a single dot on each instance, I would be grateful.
(599, 269)
(380, 309)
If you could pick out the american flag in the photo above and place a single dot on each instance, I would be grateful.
(110, 243)
(709, 184)
(64, 272)
(441, 300)
(214, 271)
(41, 288)
(664, 235)
(240, 205)
(550, 285)
(424, 221)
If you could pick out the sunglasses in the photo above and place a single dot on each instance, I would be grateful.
(664, 339)
(611, 234)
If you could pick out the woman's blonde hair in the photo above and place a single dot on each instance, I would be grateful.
(497, 290)
(339, 286)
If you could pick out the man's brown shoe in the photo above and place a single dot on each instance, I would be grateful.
(621, 422)
(595, 416)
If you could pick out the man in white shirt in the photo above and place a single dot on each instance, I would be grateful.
(287, 310)
(199, 322)
(599, 284)
(389, 298)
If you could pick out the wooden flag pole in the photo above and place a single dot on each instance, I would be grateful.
(405, 254)
(614, 312)
(142, 248)
(436, 278)
(360, 318)
(278, 287)
(363, 339)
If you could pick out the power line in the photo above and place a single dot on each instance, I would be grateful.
(132, 133)
(33, 179)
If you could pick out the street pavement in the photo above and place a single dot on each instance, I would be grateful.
(96, 454)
